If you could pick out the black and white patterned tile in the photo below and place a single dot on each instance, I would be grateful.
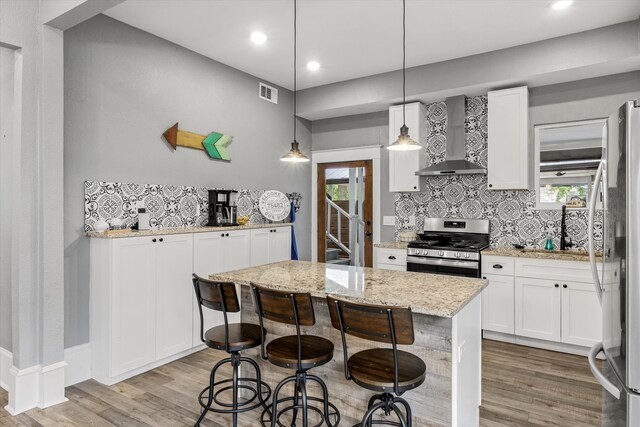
(168, 205)
(513, 216)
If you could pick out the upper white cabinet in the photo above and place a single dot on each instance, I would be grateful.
(270, 245)
(509, 152)
(404, 164)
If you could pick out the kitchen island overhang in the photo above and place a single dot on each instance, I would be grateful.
(447, 322)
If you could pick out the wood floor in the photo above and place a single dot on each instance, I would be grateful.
(521, 387)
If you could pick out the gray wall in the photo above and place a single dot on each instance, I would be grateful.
(579, 100)
(123, 88)
(6, 105)
(358, 131)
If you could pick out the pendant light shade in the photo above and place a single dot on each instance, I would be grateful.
(404, 141)
(295, 155)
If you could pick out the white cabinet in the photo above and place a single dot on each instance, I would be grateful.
(537, 309)
(141, 302)
(174, 295)
(133, 305)
(270, 245)
(508, 138)
(217, 252)
(541, 302)
(498, 304)
(391, 259)
(581, 314)
(404, 164)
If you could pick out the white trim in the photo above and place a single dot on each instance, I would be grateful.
(52, 385)
(536, 159)
(78, 360)
(6, 360)
(537, 343)
(370, 152)
(23, 387)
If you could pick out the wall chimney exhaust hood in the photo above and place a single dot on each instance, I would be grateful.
(455, 162)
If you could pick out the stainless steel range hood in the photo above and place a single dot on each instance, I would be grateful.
(454, 163)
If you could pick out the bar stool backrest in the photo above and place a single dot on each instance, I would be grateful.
(292, 308)
(218, 296)
(372, 322)
(387, 324)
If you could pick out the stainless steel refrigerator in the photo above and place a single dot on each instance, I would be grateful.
(617, 274)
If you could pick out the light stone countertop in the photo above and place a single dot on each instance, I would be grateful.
(183, 230)
(435, 295)
(567, 255)
(392, 244)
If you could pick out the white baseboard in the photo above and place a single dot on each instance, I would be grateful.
(6, 361)
(78, 360)
(533, 342)
(32, 387)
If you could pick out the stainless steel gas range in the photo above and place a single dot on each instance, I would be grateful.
(449, 246)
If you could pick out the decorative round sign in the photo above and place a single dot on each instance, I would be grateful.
(274, 205)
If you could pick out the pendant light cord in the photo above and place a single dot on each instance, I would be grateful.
(295, 45)
(404, 57)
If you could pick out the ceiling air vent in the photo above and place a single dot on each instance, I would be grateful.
(268, 93)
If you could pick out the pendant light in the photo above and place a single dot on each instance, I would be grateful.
(404, 141)
(294, 155)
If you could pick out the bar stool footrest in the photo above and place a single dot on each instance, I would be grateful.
(333, 412)
(244, 406)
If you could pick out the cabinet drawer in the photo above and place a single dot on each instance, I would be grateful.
(396, 257)
(501, 265)
(576, 271)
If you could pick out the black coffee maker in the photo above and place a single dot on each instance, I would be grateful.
(223, 210)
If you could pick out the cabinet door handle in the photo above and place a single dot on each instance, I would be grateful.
(222, 235)
(392, 257)
(153, 240)
(498, 266)
(490, 185)
(484, 277)
(227, 235)
(161, 239)
(565, 286)
(556, 285)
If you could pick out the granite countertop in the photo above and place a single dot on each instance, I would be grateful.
(183, 230)
(567, 255)
(392, 244)
(431, 294)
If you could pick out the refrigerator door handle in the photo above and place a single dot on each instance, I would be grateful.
(592, 212)
(608, 385)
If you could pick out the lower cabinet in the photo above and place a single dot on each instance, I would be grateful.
(537, 309)
(497, 304)
(531, 298)
(217, 252)
(391, 259)
(270, 245)
(141, 302)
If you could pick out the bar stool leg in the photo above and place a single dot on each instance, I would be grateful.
(325, 396)
(407, 409)
(234, 390)
(212, 380)
(303, 395)
(258, 381)
(274, 405)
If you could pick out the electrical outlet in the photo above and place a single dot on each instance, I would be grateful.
(412, 220)
(388, 220)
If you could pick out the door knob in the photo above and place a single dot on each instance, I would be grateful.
(368, 233)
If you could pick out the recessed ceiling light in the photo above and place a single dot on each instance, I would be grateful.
(561, 4)
(258, 38)
(313, 66)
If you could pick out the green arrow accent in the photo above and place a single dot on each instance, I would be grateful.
(221, 146)
(216, 145)
(209, 145)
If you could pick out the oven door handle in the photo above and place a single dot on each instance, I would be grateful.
(443, 262)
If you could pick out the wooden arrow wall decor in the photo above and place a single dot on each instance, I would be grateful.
(215, 144)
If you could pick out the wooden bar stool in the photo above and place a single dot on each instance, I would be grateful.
(232, 338)
(386, 370)
(299, 352)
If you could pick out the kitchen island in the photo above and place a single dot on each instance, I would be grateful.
(447, 323)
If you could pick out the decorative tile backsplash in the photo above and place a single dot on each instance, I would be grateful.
(168, 205)
(514, 218)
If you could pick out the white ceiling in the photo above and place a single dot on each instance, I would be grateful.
(357, 38)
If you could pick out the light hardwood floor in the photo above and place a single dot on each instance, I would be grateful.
(521, 387)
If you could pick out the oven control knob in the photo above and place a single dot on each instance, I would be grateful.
(441, 253)
(458, 254)
(466, 255)
(417, 251)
